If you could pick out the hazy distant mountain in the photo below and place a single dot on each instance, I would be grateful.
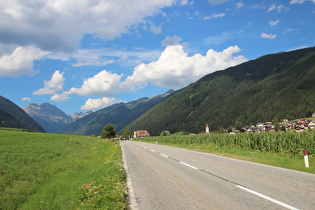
(278, 85)
(78, 115)
(119, 115)
(13, 116)
(51, 118)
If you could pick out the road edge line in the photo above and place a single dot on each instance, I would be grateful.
(131, 201)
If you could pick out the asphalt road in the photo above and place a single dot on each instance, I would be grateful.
(161, 177)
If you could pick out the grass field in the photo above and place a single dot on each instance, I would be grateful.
(55, 171)
(283, 149)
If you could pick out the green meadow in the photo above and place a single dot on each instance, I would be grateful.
(56, 171)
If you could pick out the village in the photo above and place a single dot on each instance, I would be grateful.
(286, 125)
(298, 126)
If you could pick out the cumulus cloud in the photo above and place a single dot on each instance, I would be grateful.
(53, 85)
(56, 25)
(175, 69)
(93, 104)
(268, 36)
(102, 84)
(20, 61)
(60, 97)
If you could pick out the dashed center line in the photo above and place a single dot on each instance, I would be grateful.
(267, 198)
(238, 186)
(164, 155)
(190, 166)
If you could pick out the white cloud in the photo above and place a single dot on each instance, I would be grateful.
(300, 1)
(268, 36)
(217, 1)
(105, 56)
(20, 61)
(171, 40)
(273, 23)
(92, 62)
(58, 25)
(53, 85)
(219, 39)
(278, 8)
(26, 99)
(94, 104)
(155, 29)
(239, 5)
(214, 15)
(175, 69)
(102, 84)
(60, 97)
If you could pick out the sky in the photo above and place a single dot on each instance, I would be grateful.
(83, 55)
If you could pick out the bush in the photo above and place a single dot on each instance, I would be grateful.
(165, 133)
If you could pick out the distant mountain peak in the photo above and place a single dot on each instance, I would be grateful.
(50, 117)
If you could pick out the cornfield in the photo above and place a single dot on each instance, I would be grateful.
(275, 142)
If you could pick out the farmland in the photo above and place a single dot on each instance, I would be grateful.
(284, 149)
(53, 171)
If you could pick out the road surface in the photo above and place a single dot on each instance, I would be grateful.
(161, 177)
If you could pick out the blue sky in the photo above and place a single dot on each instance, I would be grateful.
(84, 55)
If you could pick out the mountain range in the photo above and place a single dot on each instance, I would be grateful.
(12, 116)
(270, 87)
(120, 115)
(50, 117)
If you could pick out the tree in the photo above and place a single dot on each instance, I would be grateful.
(165, 133)
(276, 124)
(126, 134)
(108, 131)
(238, 125)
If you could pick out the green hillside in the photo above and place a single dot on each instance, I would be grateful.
(120, 115)
(13, 116)
(278, 85)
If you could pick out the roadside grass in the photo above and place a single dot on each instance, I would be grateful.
(56, 171)
(277, 149)
(294, 162)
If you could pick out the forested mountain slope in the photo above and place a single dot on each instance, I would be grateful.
(119, 115)
(13, 116)
(278, 85)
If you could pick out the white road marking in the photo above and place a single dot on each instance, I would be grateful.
(152, 150)
(267, 198)
(131, 193)
(164, 155)
(190, 166)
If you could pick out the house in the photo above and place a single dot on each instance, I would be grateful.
(141, 133)
(313, 115)
(311, 125)
(298, 129)
(260, 125)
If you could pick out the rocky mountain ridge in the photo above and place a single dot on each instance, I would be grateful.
(50, 117)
